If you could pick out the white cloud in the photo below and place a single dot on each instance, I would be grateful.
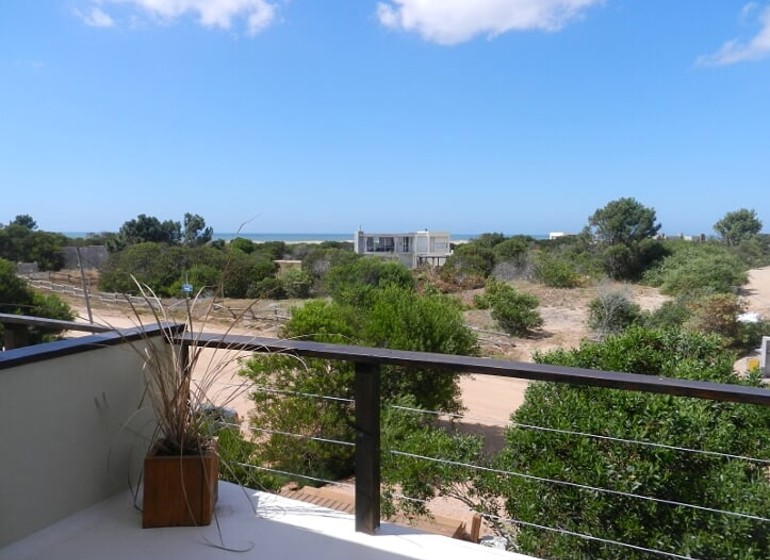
(736, 51)
(96, 17)
(454, 21)
(257, 14)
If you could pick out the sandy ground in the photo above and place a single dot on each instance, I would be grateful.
(489, 401)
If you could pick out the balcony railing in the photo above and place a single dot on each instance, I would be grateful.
(368, 362)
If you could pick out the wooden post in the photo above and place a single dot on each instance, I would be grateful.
(367, 457)
(85, 288)
(15, 336)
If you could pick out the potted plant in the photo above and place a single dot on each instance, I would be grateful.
(181, 467)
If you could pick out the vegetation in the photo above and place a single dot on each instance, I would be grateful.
(740, 225)
(21, 241)
(696, 268)
(625, 230)
(17, 298)
(611, 312)
(385, 314)
(515, 312)
(663, 473)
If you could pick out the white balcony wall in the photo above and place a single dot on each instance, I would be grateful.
(65, 435)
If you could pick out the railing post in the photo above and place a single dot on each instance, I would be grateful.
(367, 458)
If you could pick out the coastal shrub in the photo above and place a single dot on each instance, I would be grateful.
(513, 248)
(354, 283)
(698, 268)
(266, 288)
(21, 242)
(671, 314)
(554, 270)
(664, 473)
(17, 298)
(468, 266)
(296, 283)
(397, 317)
(611, 312)
(515, 312)
(717, 314)
(319, 260)
(242, 244)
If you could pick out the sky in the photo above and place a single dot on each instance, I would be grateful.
(517, 116)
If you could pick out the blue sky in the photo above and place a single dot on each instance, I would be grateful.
(520, 116)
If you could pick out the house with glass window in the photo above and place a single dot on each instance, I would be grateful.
(411, 249)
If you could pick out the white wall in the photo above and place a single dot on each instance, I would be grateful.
(65, 440)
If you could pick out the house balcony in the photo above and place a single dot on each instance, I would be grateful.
(74, 438)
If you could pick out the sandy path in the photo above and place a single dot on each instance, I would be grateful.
(757, 291)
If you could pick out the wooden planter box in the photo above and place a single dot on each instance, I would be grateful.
(179, 490)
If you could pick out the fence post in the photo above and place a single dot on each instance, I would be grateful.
(367, 456)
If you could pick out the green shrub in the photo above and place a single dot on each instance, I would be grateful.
(651, 471)
(397, 318)
(355, 283)
(555, 271)
(671, 314)
(698, 268)
(296, 283)
(515, 312)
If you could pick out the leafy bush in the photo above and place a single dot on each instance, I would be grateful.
(468, 266)
(697, 268)
(355, 283)
(296, 283)
(17, 298)
(651, 471)
(515, 312)
(393, 317)
(671, 314)
(555, 271)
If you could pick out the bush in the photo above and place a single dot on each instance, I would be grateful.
(468, 266)
(555, 271)
(651, 471)
(612, 312)
(296, 283)
(398, 318)
(671, 315)
(516, 313)
(717, 314)
(17, 298)
(355, 283)
(698, 268)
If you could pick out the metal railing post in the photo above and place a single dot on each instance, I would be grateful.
(367, 455)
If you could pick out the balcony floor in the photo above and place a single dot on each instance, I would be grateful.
(280, 528)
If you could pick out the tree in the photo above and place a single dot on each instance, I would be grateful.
(739, 225)
(21, 243)
(624, 221)
(25, 220)
(625, 229)
(195, 230)
(659, 473)
(145, 229)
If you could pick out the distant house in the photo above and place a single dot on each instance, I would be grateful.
(411, 249)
